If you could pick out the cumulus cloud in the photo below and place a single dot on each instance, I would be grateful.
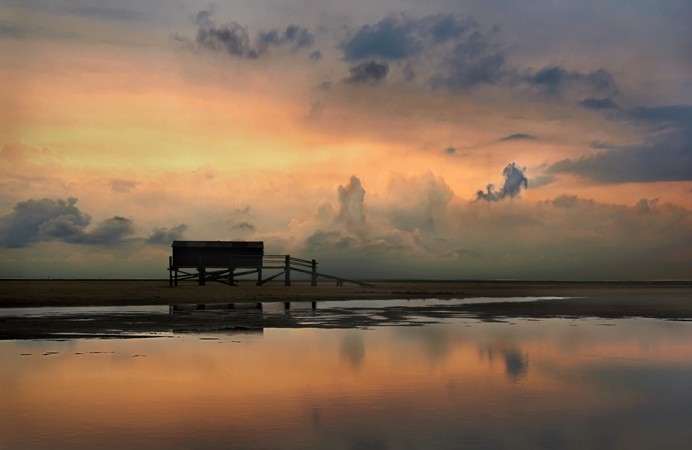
(556, 79)
(421, 201)
(454, 52)
(369, 72)
(34, 220)
(45, 220)
(400, 37)
(514, 180)
(234, 39)
(110, 231)
(562, 238)
(351, 200)
(58, 220)
(391, 38)
(293, 36)
(165, 236)
(666, 154)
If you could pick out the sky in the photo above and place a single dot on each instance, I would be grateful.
(478, 139)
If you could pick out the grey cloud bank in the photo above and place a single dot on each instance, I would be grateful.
(666, 154)
(41, 220)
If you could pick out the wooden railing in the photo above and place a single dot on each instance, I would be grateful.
(287, 264)
(284, 263)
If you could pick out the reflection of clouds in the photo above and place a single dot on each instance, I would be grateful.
(516, 364)
(353, 349)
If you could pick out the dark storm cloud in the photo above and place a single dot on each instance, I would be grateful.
(518, 137)
(514, 180)
(599, 103)
(666, 154)
(165, 236)
(58, 220)
(368, 72)
(233, 39)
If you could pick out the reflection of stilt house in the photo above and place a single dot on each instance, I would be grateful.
(222, 261)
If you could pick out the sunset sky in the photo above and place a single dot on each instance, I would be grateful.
(358, 133)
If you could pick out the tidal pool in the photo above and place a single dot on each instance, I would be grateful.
(463, 383)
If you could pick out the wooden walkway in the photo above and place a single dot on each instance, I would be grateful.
(284, 264)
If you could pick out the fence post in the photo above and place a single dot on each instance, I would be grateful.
(287, 271)
(201, 273)
(313, 279)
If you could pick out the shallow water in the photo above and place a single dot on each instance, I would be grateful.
(556, 383)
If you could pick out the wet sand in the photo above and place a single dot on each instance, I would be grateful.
(662, 300)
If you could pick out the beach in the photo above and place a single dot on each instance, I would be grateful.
(611, 299)
(218, 307)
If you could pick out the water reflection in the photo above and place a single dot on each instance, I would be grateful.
(556, 383)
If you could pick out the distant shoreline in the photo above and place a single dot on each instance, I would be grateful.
(671, 299)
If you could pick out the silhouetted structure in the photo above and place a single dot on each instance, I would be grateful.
(219, 260)
(223, 257)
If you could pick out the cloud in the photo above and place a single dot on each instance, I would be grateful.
(293, 36)
(420, 201)
(450, 150)
(471, 62)
(107, 14)
(231, 38)
(514, 180)
(391, 38)
(351, 200)
(556, 79)
(58, 220)
(518, 137)
(243, 226)
(110, 231)
(123, 186)
(164, 236)
(45, 220)
(370, 72)
(400, 37)
(567, 237)
(454, 52)
(666, 155)
(599, 103)
(234, 40)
